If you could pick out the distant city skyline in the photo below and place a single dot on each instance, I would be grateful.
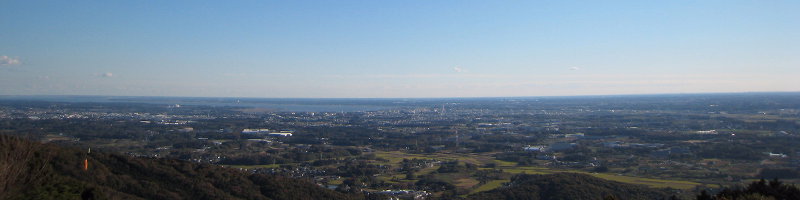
(397, 49)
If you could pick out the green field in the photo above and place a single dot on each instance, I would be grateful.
(656, 183)
(489, 186)
(395, 157)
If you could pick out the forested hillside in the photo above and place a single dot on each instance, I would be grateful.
(569, 186)
(41, 171)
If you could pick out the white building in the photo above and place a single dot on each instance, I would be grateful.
(255, 131)
(280, 134)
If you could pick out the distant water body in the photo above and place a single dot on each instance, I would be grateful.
(278, 105)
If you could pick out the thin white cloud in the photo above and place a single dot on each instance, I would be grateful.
(8, 61)
(106, 75)
(458, 69)
(574, 68)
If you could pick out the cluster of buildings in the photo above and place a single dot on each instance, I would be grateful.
(264, 131)
(405, 194)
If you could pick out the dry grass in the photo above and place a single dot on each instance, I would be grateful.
(489, 186)
(466, 183)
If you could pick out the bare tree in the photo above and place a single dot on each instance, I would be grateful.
(19, 165)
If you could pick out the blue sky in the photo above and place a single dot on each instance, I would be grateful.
(397, 48)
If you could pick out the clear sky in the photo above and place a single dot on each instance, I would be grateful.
(397, 48)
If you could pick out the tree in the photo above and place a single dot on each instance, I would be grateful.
(410, 175)
(704, 196)
(21, 165)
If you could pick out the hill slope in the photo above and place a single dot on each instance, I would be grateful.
(568, 186)
(41, 171)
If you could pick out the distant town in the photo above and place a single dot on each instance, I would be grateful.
(440, 148)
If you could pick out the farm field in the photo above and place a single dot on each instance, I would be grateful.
(395, 157)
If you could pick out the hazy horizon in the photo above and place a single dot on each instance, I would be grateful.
(398, 49)
(382, 98)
